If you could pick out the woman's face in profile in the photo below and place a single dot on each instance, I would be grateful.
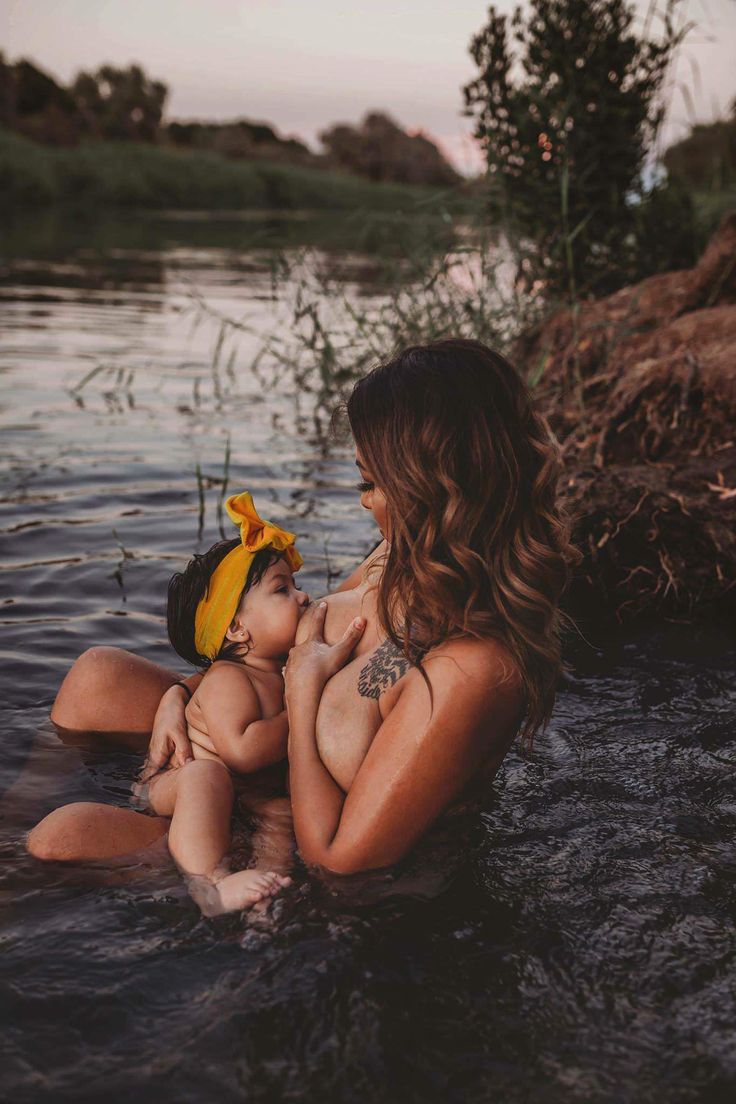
(372, 497)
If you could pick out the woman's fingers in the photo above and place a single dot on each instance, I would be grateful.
(348, 641)
(318, 621)
(150, 767)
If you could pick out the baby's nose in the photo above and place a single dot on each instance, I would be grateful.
(304, 598)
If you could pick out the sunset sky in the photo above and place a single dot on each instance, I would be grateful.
(302, 65)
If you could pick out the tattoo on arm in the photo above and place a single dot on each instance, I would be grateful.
(382, 671)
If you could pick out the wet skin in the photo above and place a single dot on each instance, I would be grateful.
(372, 765)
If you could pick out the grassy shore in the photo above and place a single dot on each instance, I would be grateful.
(133, 175)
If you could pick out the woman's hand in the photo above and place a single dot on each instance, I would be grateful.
(169, 740)
(313, 662)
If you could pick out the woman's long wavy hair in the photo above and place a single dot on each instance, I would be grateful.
(478, 543)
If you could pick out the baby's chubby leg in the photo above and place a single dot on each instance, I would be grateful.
(199, 799)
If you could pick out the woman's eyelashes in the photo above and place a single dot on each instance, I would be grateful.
(364, 486)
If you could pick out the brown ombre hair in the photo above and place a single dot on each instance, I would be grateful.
(478, 544)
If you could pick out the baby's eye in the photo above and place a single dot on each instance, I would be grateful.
(364, 486)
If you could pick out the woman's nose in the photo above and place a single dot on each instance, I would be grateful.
(365, 500)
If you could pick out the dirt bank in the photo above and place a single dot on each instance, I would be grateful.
(640, 389)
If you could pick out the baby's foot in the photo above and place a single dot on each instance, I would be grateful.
(245, 888)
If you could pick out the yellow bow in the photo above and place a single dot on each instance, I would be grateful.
(216, 610)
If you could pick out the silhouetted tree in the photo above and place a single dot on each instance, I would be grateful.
(239, 139)
(379, 149)
(33, 103)
(707, 157)
(120, 103)
(566, 140)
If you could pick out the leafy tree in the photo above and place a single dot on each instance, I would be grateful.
(707, 157)
(33, 103)
(566, 139)
(120, 103)
(379, 149)
(240, 138)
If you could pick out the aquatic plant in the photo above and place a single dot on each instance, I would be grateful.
(326, 333)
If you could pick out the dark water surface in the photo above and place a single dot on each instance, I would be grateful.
(584, 948)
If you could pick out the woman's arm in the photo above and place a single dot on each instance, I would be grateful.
(169, 738)
(421, 760)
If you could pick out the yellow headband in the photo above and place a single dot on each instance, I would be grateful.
(216, 610)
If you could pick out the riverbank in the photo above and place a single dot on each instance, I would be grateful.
(640, 389)
(140, 176)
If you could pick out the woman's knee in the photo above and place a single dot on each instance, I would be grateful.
(90, 673)
(87, 830)
(98, 662)
(110, 690)
(59, 836)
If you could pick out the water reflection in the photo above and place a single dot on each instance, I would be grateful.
(580, 944)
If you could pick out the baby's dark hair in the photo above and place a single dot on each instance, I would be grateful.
(188, 587)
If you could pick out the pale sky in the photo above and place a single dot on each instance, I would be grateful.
(303, 64)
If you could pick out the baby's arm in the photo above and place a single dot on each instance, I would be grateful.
(232, 714)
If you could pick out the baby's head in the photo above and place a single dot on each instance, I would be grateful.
(239, 598)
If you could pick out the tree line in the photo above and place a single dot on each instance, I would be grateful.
(126, 104)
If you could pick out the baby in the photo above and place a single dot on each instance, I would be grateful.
(234, 611)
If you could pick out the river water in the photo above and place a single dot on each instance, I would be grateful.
(584, 947)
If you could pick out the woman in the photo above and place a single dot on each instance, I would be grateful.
(408, 685)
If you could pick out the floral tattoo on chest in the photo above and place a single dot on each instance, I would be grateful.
(382, 671)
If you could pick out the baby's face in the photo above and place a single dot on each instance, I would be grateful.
(271, 611)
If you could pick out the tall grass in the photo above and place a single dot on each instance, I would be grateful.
(329, 331)
(129, 174)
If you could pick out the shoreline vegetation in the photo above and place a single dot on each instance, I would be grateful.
(120, 174)
(639, 388)
(596, 278)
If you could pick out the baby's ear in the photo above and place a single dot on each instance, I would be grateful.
(237, 632)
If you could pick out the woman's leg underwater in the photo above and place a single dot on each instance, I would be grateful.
(87, 830)
(109, 690)
(112, 692)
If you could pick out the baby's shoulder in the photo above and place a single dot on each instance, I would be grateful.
(223, 674)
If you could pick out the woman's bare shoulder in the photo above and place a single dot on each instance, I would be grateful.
(467, 658)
